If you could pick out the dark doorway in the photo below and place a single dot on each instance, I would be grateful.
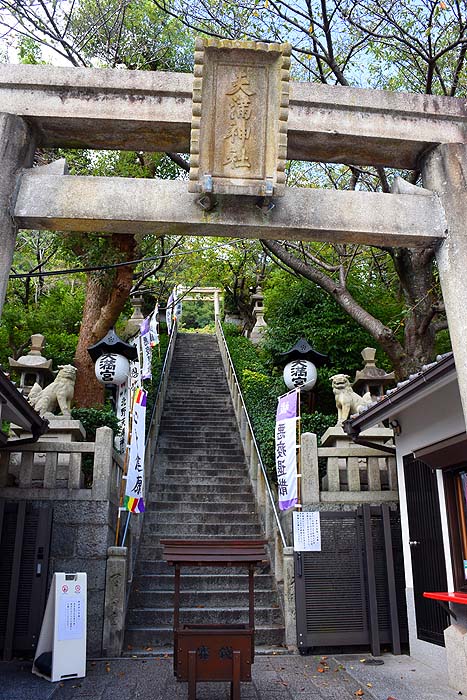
(426, 548)
(25, 530)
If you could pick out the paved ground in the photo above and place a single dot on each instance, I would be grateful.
(274, 678)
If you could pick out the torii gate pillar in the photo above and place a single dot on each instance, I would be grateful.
(445, 172)
(16, 152)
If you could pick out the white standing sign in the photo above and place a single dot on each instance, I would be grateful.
(61, 650)
(306, 531)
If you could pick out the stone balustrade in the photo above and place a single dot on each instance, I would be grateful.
(54, 468)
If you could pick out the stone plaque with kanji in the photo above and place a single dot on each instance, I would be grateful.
(239, 124)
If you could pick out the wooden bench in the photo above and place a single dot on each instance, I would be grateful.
(211, 652)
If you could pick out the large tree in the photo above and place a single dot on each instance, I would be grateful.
(130, 35)
(394, 45)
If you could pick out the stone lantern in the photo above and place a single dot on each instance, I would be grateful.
(33, 366)
(256, 335)
(134, 322)
(371, 379)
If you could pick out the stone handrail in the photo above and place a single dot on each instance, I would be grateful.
(52, 469)
(259, 479)
(122, 560)
(282, 560)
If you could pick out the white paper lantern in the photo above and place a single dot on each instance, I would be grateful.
(112, 368)
(300, 373)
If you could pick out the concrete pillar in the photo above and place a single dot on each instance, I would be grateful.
(216, 304)
(309, 469)
(102, 466)
(444, 171)
(16, 152)
(115, 601)
(289, 599)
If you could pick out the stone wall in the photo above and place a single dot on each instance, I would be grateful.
(81, 534)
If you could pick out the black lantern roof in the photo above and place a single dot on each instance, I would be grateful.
(302, 350)
(111, 343)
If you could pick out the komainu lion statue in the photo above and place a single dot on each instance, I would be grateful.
(58, 394)
(347, 401)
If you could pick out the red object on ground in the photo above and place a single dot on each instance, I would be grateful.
(460, 598)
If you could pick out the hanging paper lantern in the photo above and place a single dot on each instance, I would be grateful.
(300, 373)
(112, 368)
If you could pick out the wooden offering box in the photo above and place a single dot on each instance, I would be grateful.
(214, 652)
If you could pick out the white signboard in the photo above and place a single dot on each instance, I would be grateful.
(61, 650)
(306, 532)
(70, 617)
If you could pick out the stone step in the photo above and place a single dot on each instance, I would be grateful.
(211, 472)
(203, 490)
(196, 616)
(216, 423)
(200, 599)
(224, 460)
(154, 574)
(144, 637)
(186, 432)
(223, 507)
(192, 478)
(206, 497)
(193, 517)
(182, 530)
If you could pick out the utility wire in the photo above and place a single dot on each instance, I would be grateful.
(21, 275)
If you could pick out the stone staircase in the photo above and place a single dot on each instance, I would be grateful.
(199, 488)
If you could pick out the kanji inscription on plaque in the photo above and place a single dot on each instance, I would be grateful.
(239, 124)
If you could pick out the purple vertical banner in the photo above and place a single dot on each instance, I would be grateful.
(286, 450)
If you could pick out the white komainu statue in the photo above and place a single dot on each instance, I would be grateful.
(58, 394)
(347, 401)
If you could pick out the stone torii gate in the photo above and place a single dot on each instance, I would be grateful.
(131, 110)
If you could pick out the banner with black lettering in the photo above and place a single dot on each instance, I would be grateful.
(286, 450)
(134, 491)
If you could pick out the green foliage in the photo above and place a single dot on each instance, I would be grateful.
(56, 314)
(152, 386)
(97, 417)
(296, 308)
(261, 389)
(197, 314)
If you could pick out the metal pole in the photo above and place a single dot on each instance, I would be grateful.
(299, 455)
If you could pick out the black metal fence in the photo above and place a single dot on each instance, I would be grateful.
(352, 593)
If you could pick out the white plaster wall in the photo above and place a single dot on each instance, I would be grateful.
(429, 419)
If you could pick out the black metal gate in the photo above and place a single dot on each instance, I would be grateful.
(426, 548)
(25, 530)
(352, 593)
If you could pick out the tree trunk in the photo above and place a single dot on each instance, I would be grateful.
(106, 294)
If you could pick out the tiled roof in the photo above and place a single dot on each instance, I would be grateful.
(371, 413)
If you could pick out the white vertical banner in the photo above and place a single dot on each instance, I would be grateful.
(134, 491)
(286, 450)
(178, 302)
(169, 312)
(154, 326)
(135, 367)
(146, 350)
(123, 415)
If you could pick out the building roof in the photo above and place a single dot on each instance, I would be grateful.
(405, 392)
(16, 409)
